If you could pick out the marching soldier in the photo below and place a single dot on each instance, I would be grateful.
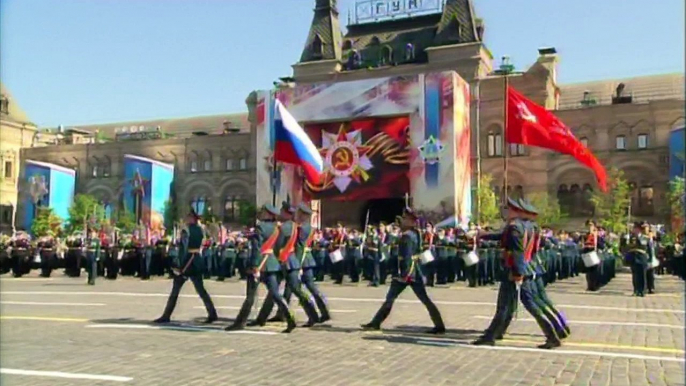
(191, 267)
(286, 246)
(410, 275)
(92, 255)
(263, 266)
(518, 241)
(638, 257)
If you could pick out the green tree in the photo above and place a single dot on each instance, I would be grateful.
(247, 212)
(125, 220)
(46, 222)
(489, 212)
(612, 207)
(549, 212)
(85, 209)
(171, 214)
(676, 198)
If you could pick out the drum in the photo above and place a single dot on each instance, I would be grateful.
(336, 256)
(426, 257)
(654, 262)
(470, 258)
(590, 259)
(383, 256)
(120, 254)
(36, 258)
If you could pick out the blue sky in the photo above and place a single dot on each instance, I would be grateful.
(96, 61)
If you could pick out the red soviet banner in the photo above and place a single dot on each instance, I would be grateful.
(363, 159)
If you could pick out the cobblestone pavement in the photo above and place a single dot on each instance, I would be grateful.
(102, 334)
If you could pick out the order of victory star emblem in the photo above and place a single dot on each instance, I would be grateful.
(345, 157)
(431, 150)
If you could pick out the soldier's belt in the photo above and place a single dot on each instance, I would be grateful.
(46, 249)
(230, 249)
(373, 249)
(638, 251)
(267, 252)
(307, 249)
(194, 250)
(91, 250)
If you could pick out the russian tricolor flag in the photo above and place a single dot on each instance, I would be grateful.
(293, 145)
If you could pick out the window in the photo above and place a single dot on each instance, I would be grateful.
(95, 171)
(409, 52)
(386, 56)
(643, 141)
(620, 142)
(495, 145)
(108, 211)
(584, 141)
(198, 204)
(9, 169)
(207, 165)
(105, 170)
(516, 149)
(229, 164)
(6, 214)
(232, 208)
(316, 46)
(243, 163)
(194, 166)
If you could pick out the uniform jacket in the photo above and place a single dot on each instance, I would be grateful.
(303, 247)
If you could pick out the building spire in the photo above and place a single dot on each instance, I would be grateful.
(324, 39)
(458, 24)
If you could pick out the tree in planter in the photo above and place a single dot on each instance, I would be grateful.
(45, 223)
(85, 209)
(489, 212)
(549, 211)
(171, 214)
(676, 198)
(247, 212)
(125, 220)
(611, 207)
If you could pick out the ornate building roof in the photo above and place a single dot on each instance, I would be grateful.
(641, 89)
(179, 127)
(10, 109)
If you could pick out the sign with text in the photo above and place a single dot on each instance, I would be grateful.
(375, 10)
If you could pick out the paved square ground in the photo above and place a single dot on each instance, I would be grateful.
(59, 331)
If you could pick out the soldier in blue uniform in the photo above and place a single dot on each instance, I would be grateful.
(191, 267)
(410, 275)
(518, 240)
(286, 246)
(262, 265)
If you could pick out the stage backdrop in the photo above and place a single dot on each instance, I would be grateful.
(48, 185)
(433, 158)
(147, 189)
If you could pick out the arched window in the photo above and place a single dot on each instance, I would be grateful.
(642, 140)
(193, 163)
(374, 41)
(409, 52)
(563, 198)
(645, 200)
(232, 208)
(316, 46)
(207, 165)
(199, 204)
(516, 149)
(386, 57)
(588, 207)
(495, 144)
(620, 142)
(228, 163)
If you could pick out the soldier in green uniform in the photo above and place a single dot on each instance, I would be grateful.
(286, 245)
(384, 253)
(227, 259)
(92, 255)
(518, 240)
(443, 267)
(638, 257)
(191, 267)
(263, 266)
(410, 275)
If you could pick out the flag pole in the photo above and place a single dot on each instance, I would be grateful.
(506, 84)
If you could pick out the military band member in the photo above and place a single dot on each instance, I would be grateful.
(92, 255)
(319, 247)
(518, 241)
(191, 267)
(228, 259)
(384, 253)
(353, 256)
(638, 257)
(410, 275)
(338, 242)
(590, 245)
(443, 266)
(48, 256)
(263, 266)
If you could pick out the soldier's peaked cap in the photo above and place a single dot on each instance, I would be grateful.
(512, 203)
(193, 214)
(304, 208)
(527, 207)
(271, 209)
(285, 206)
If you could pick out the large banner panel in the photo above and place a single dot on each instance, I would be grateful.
(147, 189)
(363, 159)
(49, 185)
(435, 149)
(677, 153)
